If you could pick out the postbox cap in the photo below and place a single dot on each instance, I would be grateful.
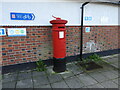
(58, 21)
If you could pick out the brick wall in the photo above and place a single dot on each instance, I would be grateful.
(38, 43)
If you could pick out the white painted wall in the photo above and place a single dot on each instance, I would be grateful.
(59, 0)
(101, 14)
(1, 13)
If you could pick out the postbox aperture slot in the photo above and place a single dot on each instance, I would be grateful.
(61, 27)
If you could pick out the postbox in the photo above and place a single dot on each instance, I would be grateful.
(59, 44)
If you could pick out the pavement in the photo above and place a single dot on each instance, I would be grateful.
(74, 78)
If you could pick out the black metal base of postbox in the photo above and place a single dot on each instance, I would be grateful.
(59, 65)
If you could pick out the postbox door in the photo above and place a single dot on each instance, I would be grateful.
(59, 44)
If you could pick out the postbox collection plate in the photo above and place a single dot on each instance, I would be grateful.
(61, 34)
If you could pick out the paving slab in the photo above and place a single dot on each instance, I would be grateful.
(42, 86)
(36, 73)
(109, 74)
(46, 86)
(55, 78)
(1, 85)
(106, 67)
(115, 72)
(60, 84)
(112, 59)
(41, 80)
(115, 80)
(86, 79)
(109, 84)
(74, 82)
(115, 65)
(95, 86)
(1, 76)
(9, 84)
(83, 87)
(99, 77)
(119, 82)
(67, 74)
(9, 77)
(92, 72)
(24, 75)
(74, 68)
(26, 83)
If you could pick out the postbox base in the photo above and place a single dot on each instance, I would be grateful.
(59, 65)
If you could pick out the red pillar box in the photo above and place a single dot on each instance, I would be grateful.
(59, 44)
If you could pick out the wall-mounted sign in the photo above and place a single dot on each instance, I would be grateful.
(87, 29)
(2, 32)
(88, 18)
(16, 32)
(22, 16)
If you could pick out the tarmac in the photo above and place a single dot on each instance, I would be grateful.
(74, 78)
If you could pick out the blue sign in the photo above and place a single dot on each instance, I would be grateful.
(22, 16)
(88, 18)
(87, 29)
(2, 32)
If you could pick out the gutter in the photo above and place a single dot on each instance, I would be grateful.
(113, 2)
(81, 43)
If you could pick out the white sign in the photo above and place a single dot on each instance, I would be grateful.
(16, 32)
(61, 34)
(87, 29)
(2, 32)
